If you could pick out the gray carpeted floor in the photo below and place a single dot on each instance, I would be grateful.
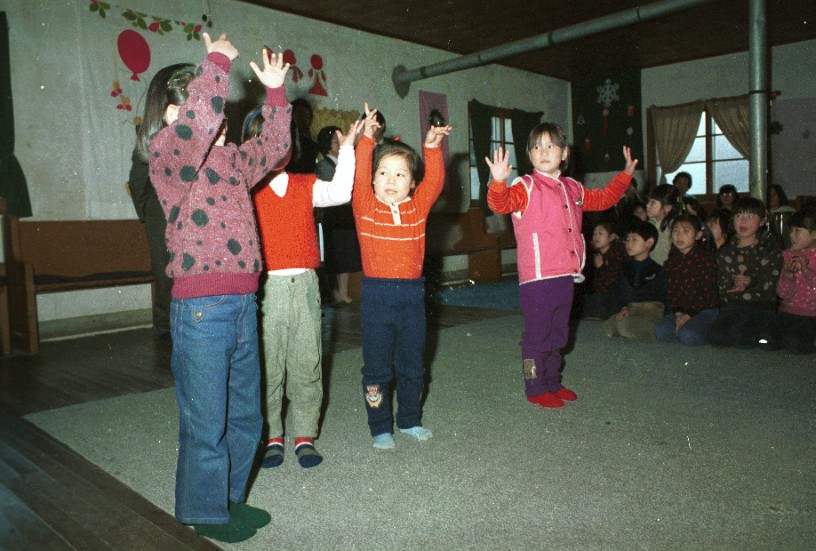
(667, 447)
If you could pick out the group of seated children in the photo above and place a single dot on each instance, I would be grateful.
(723, 281)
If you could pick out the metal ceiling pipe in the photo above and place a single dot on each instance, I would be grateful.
(402, 77)
(758, 98)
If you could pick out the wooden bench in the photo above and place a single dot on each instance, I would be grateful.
(58, 256)
(465, 234)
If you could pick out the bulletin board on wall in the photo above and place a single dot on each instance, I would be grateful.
(793, 146)
(606, 115)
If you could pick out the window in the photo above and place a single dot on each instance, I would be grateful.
(713, 161)
(501, 135)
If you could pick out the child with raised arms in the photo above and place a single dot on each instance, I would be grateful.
(391, 200)
(290, 311)
(203, 185)
(547, 209)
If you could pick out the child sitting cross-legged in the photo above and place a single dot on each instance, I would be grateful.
(691, 285)
(748, 267)
(794, 325)
(641, 287)
(608, 256)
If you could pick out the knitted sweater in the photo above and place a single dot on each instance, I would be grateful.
(691, 281)
(761, 261)
(204, 189)
(798, 290)
(392, 237)
(285, 209)
(286, 224)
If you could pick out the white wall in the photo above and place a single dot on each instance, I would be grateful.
(792, 74)
(56, 47)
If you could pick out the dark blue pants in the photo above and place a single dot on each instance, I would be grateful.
(739, 324)
(546, 306)
(392, 316)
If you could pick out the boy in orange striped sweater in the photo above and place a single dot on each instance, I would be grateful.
(390, 212)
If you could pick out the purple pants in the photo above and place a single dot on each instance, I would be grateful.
(546, 306)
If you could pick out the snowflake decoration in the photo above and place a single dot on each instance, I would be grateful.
(608, 93)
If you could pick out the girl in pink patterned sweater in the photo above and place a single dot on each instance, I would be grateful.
(794, 325)
(203, 186)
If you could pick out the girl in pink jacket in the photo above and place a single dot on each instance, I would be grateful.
(547, 210)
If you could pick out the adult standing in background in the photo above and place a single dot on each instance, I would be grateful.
(342, 250)
(151, 214)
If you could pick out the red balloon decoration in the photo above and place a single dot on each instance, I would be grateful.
(134, 51)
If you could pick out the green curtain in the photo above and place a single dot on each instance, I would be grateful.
(12, 180)
(522, 123)
(480, 115)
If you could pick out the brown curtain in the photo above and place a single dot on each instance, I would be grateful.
(731, 115)
(675, 128)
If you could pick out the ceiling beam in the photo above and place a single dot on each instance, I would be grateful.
(403, 77)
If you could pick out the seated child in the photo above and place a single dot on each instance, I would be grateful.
(691, 285)
(641, 287)
(748, 267)
(607, 257)
(794, 325)
(662, 208)
(719, 226)
(393, 194)
(290, 310)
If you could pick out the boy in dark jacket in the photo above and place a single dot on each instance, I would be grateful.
(641, 287)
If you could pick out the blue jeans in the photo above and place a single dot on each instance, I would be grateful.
(218, 387)
(392, 319)
(693, 333)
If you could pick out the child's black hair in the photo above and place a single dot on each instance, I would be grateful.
(611, 226)
(168, 86)
(390, 147)
(805, 218)
(750, 205)
(726, 188)
(324, 139)
(557, 136)
(666, 195)
(646, 230)
(780, 193)
(723, 218)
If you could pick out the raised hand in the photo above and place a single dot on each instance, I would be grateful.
(630, 163)
(436, 134)
(353, 131)
(370, 124)
(274, 70)
(500, 168)
(222, 45)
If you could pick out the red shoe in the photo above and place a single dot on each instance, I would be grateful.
(546, 400)
(566, 394)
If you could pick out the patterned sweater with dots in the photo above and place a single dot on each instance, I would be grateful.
(691, 281)
(204, 189)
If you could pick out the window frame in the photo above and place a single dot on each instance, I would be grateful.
(710, 194)
(505, 116)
